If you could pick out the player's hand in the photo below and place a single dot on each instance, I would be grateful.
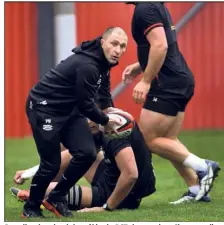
(130, 72)
(93, 209)
(113, 110)
(110, 128)
(17, 178)
(140, 91)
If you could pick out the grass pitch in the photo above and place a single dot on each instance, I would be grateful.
(21, 154)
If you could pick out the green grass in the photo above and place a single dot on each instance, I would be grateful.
(21, 154)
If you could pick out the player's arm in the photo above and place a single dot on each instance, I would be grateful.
(89, 175)
(152, 27)
(126, 163)
(137, 68)
(157, 54)
(131, 71)
(104, 96)
(86, 87)
(22, 175)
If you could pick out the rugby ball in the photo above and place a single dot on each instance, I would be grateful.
(126, 127)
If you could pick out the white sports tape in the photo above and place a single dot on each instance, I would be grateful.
(30, 172)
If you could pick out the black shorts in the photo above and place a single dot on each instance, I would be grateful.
(167, 103)
(101, 192)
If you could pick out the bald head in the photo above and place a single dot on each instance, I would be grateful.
(110, 30)
(114, 42)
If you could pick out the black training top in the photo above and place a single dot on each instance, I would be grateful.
(145, 184)
(72, 85)
(175, 74)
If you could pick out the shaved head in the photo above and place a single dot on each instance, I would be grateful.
(110, 30)
(114, 43)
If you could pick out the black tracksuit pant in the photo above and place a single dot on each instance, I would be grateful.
(48, 131)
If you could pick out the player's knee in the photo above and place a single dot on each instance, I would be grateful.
(87, 155)
(54, 169)
(90, 156)
(50, 169)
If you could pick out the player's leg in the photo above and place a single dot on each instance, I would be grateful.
(47, 140)
(65, 159)
(50, 159)
(22, 175)
(154, 127)
(91, 175)
(23, 195)
(190, 177)
(78, 196)
(187, 173)
(77, 137)
(81, 197)
(156, 120)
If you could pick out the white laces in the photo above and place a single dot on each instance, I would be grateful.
(183, 200)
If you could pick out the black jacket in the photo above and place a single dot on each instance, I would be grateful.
(73, 84)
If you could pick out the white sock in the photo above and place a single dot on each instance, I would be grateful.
(194, 189)
(196, 163)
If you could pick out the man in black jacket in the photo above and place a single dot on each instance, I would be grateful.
(57, 107)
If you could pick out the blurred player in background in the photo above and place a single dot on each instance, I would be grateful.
(166, 87)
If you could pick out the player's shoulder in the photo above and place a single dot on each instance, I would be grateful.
(113, 146)
(88, 68)
(145, 6)
(148, 10)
